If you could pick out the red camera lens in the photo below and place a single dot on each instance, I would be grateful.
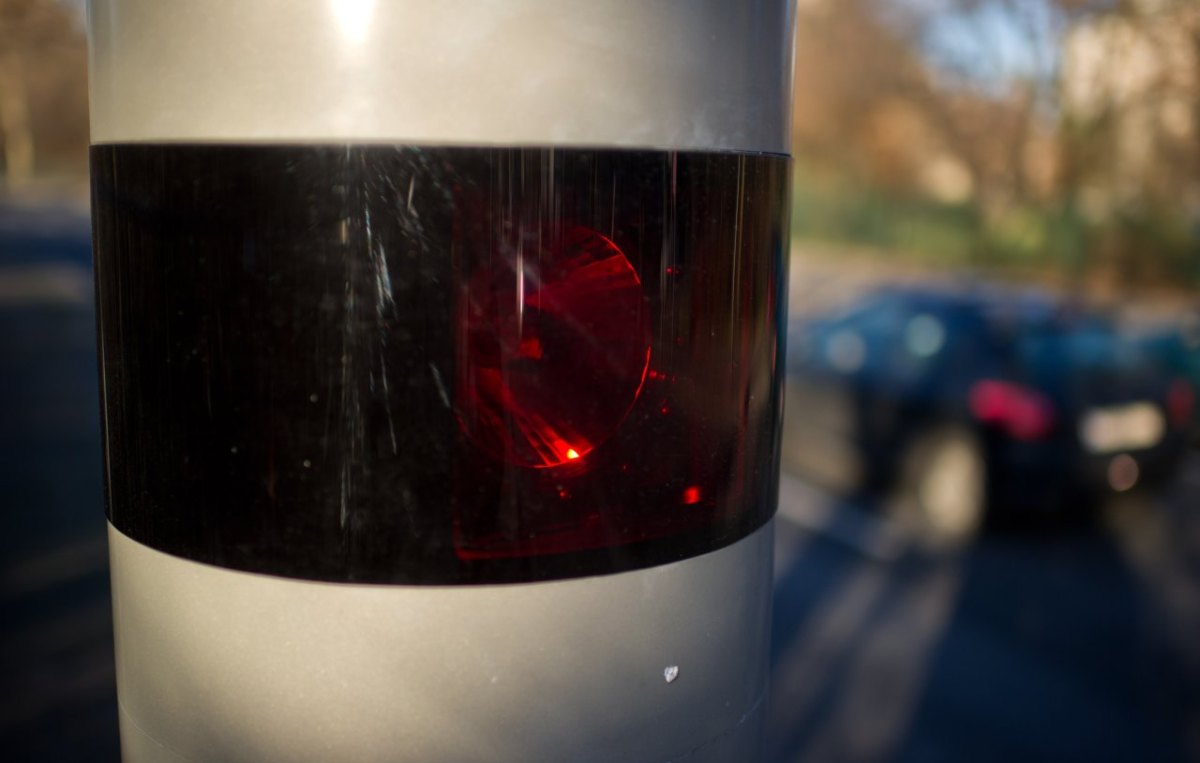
(450, 364)
(555, 346)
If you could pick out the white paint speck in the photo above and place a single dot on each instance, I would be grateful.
(307, 463)
(312, 398)
(670, 673)
(233, 450)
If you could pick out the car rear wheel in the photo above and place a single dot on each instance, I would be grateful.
(943, 488)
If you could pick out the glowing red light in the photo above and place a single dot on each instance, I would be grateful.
(691, 495)
(554, 346)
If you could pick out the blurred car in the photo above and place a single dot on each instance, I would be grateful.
(1177, 347)
(955, 402)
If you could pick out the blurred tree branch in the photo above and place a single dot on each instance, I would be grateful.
(15, 125)
(1074, 121)
(42, 86)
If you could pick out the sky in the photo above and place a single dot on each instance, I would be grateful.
(992, 44)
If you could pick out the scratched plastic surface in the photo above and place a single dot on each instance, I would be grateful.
(437, 365)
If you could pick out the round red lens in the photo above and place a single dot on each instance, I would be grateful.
(554, 343)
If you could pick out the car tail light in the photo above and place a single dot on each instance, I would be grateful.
(1019, 411)
(1181, 402)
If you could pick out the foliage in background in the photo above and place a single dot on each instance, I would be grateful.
(1052, 138)
(43, 92)
(1027, 240)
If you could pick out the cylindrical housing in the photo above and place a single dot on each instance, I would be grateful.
(440, 349)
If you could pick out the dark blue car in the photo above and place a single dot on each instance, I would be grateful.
(954, 402)
(1178, 348)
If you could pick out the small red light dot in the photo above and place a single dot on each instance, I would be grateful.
(664, 410)
(530, 348)
(691, 495)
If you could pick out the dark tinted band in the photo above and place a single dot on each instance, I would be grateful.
(413, 365)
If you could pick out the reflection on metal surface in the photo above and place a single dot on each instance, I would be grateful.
(353, 18)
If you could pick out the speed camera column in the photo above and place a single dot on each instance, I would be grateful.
(441, 367)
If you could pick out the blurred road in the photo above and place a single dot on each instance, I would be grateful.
(1062, 643)
(59, 700)
(1072, 639)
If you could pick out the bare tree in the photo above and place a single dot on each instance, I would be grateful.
(42, 53)
(1130, 136)
(948, 68)
(1070, 128)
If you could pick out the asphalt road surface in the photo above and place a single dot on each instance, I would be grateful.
(1062, 643)
(1077, 642)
